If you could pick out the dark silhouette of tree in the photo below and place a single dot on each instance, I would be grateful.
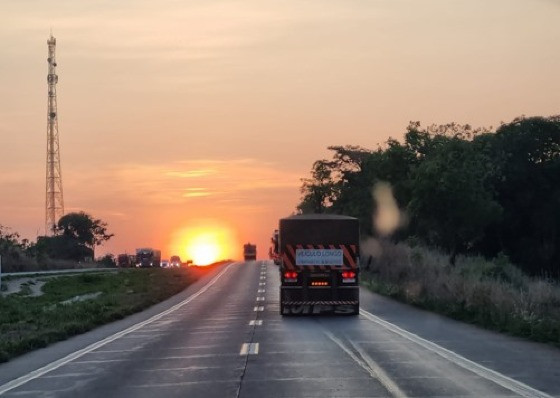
(464, 189)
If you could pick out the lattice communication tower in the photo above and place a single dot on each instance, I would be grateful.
(54, 206)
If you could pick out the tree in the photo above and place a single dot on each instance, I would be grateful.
(84, 229)
(529, 191)
(10, 247)
(107, 260)
(319, 191)
(452, 203)
(330, 179)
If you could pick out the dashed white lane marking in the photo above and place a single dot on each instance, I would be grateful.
(515, 386)
(256, 322)
(260, 298)
(258, 309)
(262, 283)
(261, 291)
(263, 278)
(371, 367)
(249, 349)
(77, 354)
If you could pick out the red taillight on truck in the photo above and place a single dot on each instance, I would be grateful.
(348, 277)
(290, 276)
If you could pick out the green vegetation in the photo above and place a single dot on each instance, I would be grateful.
(464, 190)
(76, 236)
(27, 323)
(481, 209)
(493, 294)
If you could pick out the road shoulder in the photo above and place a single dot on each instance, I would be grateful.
(535, 364)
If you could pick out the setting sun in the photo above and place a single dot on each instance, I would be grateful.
(204, 250)
(204, 244)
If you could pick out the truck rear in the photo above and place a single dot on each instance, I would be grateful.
(319, 265)
(249, 252)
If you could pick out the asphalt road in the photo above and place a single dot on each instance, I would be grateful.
(224, 337)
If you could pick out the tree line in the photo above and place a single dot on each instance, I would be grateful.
(75, 237)
(464, 190)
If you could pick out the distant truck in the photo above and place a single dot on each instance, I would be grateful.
(249, 252)
(126, 260)
(319, 264)
(148, 257)
(175, 261)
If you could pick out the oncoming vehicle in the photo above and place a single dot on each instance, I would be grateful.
(175, 261)
(164, 264)
(319, 267)
(147, 257)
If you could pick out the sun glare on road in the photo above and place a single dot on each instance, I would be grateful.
(203, 244)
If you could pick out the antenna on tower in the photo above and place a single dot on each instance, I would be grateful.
(54, 204)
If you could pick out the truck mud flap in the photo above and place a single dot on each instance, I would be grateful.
(319, 309)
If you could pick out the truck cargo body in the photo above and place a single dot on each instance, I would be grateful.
(249, 252)
(147, 257)
(319, 268)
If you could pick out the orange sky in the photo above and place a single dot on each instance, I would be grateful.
(176, 114)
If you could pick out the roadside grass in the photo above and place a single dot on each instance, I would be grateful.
(492, 294)
(27, 323)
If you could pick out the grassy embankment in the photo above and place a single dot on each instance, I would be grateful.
(27, 323)
(493, 294)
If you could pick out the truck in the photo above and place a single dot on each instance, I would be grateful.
(319, 264)
(147, 257)
(125, 260)
(249, 252)
(175, 261)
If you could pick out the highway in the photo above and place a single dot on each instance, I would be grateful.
(224, 337)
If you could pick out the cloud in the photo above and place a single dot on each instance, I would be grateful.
(190, 173)
(221, 182)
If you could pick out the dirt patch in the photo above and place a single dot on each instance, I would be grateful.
(82, 297)
(32, 287)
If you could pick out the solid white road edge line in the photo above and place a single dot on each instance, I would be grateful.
(372, 368)
(77, 354)
(515, 386)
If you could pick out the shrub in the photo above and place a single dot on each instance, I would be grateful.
(491, 293)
